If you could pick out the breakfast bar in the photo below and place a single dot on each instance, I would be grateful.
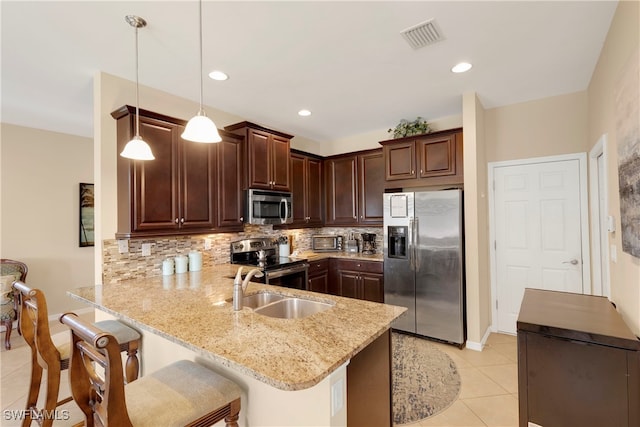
(292, 371)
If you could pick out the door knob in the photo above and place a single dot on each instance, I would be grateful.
(572, 262)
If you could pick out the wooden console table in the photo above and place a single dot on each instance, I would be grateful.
(578, 362)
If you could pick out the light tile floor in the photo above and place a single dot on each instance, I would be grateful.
(489, 394)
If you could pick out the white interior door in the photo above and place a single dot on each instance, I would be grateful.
(537, 231)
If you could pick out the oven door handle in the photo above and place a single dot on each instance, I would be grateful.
(274, 274)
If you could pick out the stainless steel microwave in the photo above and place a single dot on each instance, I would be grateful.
(326, 242)
(268, 207)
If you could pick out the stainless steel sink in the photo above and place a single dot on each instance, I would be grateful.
(293, 308)
(258, 300)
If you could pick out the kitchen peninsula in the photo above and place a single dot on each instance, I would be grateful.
(292, 371)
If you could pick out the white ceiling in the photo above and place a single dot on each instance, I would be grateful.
(345, 61)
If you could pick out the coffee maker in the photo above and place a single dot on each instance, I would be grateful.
(368, 243)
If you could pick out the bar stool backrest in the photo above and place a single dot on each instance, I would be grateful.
(98, 392)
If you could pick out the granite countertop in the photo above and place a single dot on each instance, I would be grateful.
(194, 310)
(314, 256)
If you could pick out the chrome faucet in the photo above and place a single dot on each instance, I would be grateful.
(240, 286)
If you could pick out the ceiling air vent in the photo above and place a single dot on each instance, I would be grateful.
(423, 34)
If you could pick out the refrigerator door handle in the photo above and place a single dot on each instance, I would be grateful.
(411, 250)
(416, 244)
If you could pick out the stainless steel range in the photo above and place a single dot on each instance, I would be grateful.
(262, 253)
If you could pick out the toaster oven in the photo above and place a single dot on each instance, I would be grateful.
(326, 243)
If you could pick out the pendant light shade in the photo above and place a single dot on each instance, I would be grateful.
(201, 128)
(137, 149)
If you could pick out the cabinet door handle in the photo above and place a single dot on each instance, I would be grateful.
(241, 219)
(181, 220)
(412, 171)
(176, 220)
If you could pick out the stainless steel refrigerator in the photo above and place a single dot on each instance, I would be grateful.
(424, 262)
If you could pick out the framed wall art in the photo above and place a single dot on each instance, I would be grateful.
(86, 215)
(628, 134)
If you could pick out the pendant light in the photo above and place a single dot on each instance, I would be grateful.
(137, 149)
(201, 128)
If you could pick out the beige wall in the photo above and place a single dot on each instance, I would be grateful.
(545, 127)
(621, 45)
(478, 285)
(39, 189)
(369, 140)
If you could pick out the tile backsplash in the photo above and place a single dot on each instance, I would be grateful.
(133, 265)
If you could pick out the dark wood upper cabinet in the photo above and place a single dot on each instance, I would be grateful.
(306, 188)
(424, 160)
(371, 184)
(342, 190)
(229, 177)
(177, 192)
(354, 185)
(267, 157)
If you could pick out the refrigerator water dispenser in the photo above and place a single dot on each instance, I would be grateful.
(397, 245)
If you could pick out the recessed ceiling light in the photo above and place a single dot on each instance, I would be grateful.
(461, 67)
(218, 75)
(304, 113)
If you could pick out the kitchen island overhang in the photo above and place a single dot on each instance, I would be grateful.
(194, 312)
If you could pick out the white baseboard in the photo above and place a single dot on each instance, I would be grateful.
(478, 346)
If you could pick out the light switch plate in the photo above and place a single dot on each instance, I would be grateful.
(123, 246)
(207, 244)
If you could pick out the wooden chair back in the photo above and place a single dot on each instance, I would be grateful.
(11, 310)
(34, 326)
(98, 393)
(9, 266)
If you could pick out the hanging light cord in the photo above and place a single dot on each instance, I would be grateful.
(201, 102)
(137, 89)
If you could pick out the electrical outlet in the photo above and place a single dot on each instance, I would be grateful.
(123, 246)
(337, 397)
(207, 244)
(146, 249)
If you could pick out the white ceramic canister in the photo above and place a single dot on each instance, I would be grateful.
(167, 267)
(181, 264)
(195, 261)
(284, 249)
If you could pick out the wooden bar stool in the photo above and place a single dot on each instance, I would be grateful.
(46, 356)
(181, 394)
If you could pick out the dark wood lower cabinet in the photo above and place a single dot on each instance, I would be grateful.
(319, 276)
(578, 362)
(369, 385)
(356, 279)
